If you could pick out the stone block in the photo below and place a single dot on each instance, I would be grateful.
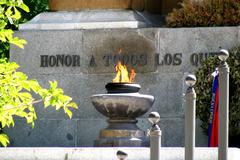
(89, 153)
(165, 82)
(47, 43)
(194, 44)
(87, 19)
(136, 48)
(47, 133)
(172, 130)
(238, 36)
(167, 89)
(87, 85)
(88, 131)
(164, 87)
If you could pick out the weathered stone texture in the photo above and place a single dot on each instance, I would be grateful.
(164, 81)
(47, 132)
(89, 153)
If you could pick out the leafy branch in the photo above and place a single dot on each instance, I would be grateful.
(16, 89)
(9, 15)
(16, 96)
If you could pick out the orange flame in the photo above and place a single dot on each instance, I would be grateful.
(132, 75)
(122, 74)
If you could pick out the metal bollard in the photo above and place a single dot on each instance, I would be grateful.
(121, 155)
(190, 112)
(223, 106)
(155, 136)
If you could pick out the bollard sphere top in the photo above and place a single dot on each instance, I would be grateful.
(223, 55)
(121, 155)
(190, 80)
(154, 117)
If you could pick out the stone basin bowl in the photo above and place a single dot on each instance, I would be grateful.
(122, 105)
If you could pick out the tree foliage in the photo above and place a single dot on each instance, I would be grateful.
(204, 86)
(35, 7)
(16, 96)
(204, 13)
(16, 89)
(9, 15)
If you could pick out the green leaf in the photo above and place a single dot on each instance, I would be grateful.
(3, 2)
(47, 101)
(24, 7)
(9, 12)
(2, 24)
(4, 140)
(72, 105)
(18, 42)
(53, 85)
(25, 96)
(69, 113)
(35, 86)
(17, 14)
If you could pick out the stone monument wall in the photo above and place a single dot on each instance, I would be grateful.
(82, 61)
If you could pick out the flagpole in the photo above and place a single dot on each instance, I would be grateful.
(190, 112)
(223, 106)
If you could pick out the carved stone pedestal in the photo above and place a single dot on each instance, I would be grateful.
(87, 19)
(122, 133)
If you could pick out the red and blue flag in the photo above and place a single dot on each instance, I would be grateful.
(213, 122)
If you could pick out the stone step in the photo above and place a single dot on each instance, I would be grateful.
(108, 153)
(89, 19)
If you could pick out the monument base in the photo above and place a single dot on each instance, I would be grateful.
(109, 153)
(87, 19)
(171, 54)
(119, 134)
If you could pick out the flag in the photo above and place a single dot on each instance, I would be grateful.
(213, 122)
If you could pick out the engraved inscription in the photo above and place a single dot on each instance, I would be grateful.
(60, 60)
(140, 60)
(133, 60)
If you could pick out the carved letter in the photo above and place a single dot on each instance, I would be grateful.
(194, 59)
(68, 60)
(133, 60)
(125, 59)
(158, 61)
(143, 60)
(107, 61)
(177, 59)
(52, 61)
(92, 62)
(44, 61)
(60, 58)
(168, 59)
(76, 60)
(201, 58)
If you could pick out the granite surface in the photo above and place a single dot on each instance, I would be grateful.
(161, 56)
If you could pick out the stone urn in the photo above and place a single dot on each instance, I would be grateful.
(122, 105)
